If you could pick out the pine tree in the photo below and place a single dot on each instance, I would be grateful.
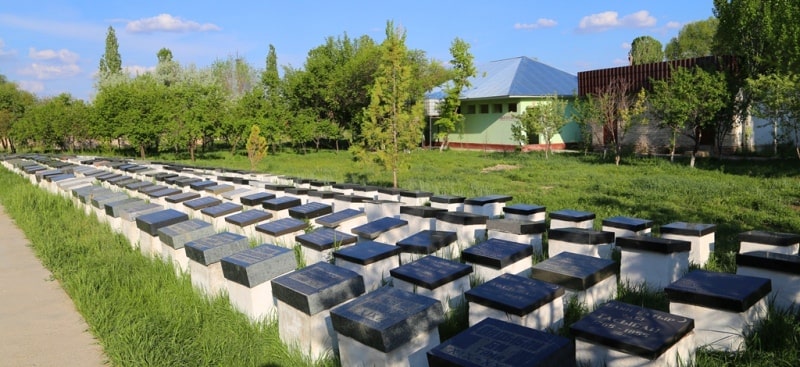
(111, 61)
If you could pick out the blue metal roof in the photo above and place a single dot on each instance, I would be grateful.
(516, 77)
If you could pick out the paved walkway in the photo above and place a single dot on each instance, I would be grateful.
(39, 325)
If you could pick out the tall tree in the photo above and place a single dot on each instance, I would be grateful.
(462, 69)
(695, 39)
(393, 121)
(585, 112)
(780, 104)
(688, 103)
(14, 102)
(619, 107)
(544, 118)
(645, 50)
(256, 147)
(167, 70)
(111, 61)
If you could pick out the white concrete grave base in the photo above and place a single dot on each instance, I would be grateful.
(785, 286)
(721, 330)
(601, 250)
(681, 354)
(451, 295)
(595, 295)
(208, 279)
(257, 302)
(535, 240)
(753, 246)
(548, 316)
(521, 267)
(312, 335)
(179, 259)
(653, 269)
(375, 274)
(468, 235)
(702, 247)
(560, 223)
(412, 353)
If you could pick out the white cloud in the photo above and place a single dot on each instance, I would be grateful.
(540, 23)
(610, 19)
(673, 25)
(134, 70)
(63, 55)
(32, 86)
(168, 23)
(42, 71)
(625, 46)
(621, 62)
(4, 52)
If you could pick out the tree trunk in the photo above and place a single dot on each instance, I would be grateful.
(617, 158)
(191, 150)
(141, 151)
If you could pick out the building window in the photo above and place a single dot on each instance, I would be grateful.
(484, 108)
(470, 109)
(497, 108)
(512, 107)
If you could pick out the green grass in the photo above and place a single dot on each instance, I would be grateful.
(736, 195)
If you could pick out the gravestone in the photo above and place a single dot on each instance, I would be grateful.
(783, 270)
(216, 214)
(304, 300)
(428, 242)
(419, 218)
(277, 189)
(783, 243)
(204, 256)
(652, 262)
(149, 224)
(99, 202)
(201, 185)
(434, 277)
(493, 342)
(387, 230)
(319, 244)
(520, 300)
(369, 191)
(515, 230)
(325, 197)
(580, 241)
(195, 206)
(235, 194)
(129, 215)
(245, 223)
(525, 212)
(343, 188)
(377, 209)
(387, 327)
(569, 218)
(490, 206)
(414, 198)
(310, 211)
(138, 185)
(255, 200)
(299, 192)
(448, 202)
(341, 202)
(592, 281)
(627, 226)
(343, 220)
(114, 210)
(702, 237)
(279, 206)
(388, 194)
(248, 277)
(725, 306)
(372, 260)
(176, 201)
(618, 333)
(174, 237)
(495, 257)
(281, 232)
(469, 227)
(218, 190)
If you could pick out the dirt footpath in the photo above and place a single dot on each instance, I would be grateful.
(39, 325)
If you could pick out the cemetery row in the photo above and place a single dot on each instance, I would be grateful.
(381, 268)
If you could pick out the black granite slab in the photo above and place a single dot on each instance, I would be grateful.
(514, 294)
(431, 272)
(523, 209)
(318, 183)
(496, 253)
(258, 265)
(730, 292)
(150, 223)
(632, 329)
(202, 203)
(421, 211)
(323, 239)
(280, 227)
(462, 218)
(571, 215)
(138, 184)
(113, 209)
(387, 318)
(631, 224)
(488, 199)
(318, 287)
(281, 203)
(61, 177)
(217, 211)
(493, 342)
(770, 238)
(212, 249)
(132, 212)
(185, 181)
(415, 194)
(297, 191)
(653, 244)
(574, 271)
(125, 167)
(310, 210)
(86, 196)
(126, 182)
(225, 178)
(150, 189)
(771, 261)
(99, 201)
(248, 217)
(255, 199)
(163, 193)
(177, 235)
(107, 176)
(163, 176)
(426, 242)
(344, 186)
(201, 185)
(581, 236)
(389, 190)
(241, 181)
(83, 191)
(688, 229)
(120, 178)
(372, 230)
(366, 252)
(321, 194)
(351, 198)
(277, 187)
(516, 226)
(447, 199)
(181, 197)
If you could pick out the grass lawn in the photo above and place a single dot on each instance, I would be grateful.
(143, 315)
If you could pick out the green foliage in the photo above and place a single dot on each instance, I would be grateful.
(780, 103)
(256, 147)
(619, 108)
(586, 113)
(645, 50)
(545, 117)
(14, 102)
(695, 39)
(463, 68)
(111, 61)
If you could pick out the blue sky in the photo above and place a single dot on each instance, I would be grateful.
(51, 47)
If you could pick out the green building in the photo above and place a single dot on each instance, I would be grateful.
(500, 90)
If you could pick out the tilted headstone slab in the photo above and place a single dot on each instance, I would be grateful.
(631, 329)
(202, 203)
(317, 287)
(257, 265)
(731, 292)
(783, 270)
(488, 199)
(114, 209)
(570, 215)
(426, 242)
(653, 244)
(179, 198)
(493, 342)
(310, 210)
(218, 189)
(322, 194)
(581, 236)
(281, 226)
(325, 239)
(574, 271)
(771, 261)
(185, 181)
(387, 318)
(151, 189)
(99, 201)
(627, 223)
(516, 226)
(152, 222)
(256, 199)
(496, 254)
(786, 243)
(447, 199)
(524, 209)
(514, 294)
(431, 272)
(335, 219)
(375, 228)
(421, 211)
(163, 193)
(201, 185)
(132, 212)
(462, 218)
(248, 217)
(212, 249)
(221, 209)
(177, 235)
(137, 185)
(367, 252)
(281, 203)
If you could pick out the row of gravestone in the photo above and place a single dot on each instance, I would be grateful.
(536, 305)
